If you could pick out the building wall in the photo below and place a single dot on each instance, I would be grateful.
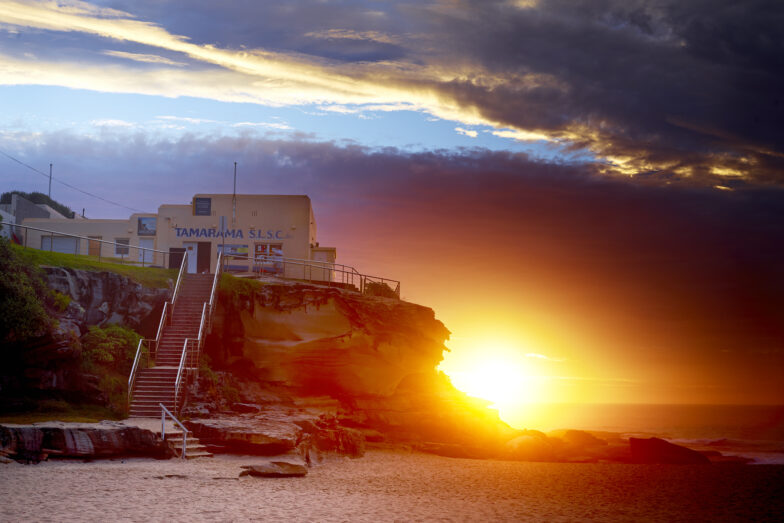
(277, 226)
(106, 230)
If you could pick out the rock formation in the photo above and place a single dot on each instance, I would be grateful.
(100, 298)
(32, 443)
(339, 361)
(655, 450)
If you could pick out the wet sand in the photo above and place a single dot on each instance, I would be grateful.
(388, 486)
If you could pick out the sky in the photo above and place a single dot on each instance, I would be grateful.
(588, 193)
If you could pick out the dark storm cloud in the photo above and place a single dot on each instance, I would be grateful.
(675, 88)
(666, 89)
(672, 84)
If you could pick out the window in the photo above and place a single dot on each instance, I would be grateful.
(269, 249)
(122, 249)
(147, 226)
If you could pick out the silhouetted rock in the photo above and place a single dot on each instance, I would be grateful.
(655, 450)
(275, 469)
(35, 442)
(533, 446)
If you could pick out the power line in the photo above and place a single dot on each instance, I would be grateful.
(69, 185)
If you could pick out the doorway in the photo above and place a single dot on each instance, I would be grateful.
(203, 257)
(191, 248)
(94, 246)
(146, 257)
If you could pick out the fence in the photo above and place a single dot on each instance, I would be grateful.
(67, 243)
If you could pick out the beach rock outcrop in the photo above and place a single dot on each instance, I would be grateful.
(275, 469)
(656, 450)
(272, 433)
(36, 442)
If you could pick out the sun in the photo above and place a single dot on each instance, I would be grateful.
(500, 376)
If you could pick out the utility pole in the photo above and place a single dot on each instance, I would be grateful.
(234, 198)
(50, 181)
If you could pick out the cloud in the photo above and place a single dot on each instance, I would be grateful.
(523, 136)
(667, 91)
(112, 123)
(271, 125)
(147, 58)
(466, 132)
(185, 119)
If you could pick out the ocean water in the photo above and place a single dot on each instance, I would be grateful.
(755, 431)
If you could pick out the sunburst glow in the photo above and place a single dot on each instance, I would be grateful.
(498, 373)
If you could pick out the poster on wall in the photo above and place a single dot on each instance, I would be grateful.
(147, 226)
(234, 251)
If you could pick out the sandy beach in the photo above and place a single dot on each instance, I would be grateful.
(387, 486)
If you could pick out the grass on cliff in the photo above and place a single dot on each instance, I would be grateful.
(60, 410)
(238, 287)
(147, 276)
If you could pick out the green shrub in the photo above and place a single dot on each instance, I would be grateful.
(23, 298)
(60, 300)
(112, 347)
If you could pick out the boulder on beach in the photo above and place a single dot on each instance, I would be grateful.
(275, 469)
(656, 450)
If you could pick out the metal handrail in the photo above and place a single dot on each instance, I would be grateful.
(164, 412)
(132, 377)
(52, 233)
(161, 324)
(215, 280)
(179, 279)
(363, 278)
(178, 381)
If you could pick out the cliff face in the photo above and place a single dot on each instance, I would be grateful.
(100, 298)
(326, 341)
(51, 363)
(366, 363)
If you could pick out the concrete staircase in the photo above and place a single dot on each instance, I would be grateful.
(194, 449)
(156, 384)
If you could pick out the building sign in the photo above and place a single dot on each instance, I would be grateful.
(147, 226)
(202, 206)
(239, 234)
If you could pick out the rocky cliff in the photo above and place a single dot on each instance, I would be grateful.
(345, 360)
(51, 363)
(101, 298)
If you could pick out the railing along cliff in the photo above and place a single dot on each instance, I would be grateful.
(365, 283)
(152, 345)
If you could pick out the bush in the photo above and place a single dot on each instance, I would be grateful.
(24, 298)
(377, 288)
(113, 347)
(60, 300)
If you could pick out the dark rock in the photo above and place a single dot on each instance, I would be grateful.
(655, 450)
(275, 469)
(245, 407)
(532, 446)
(578, 439)
(247, 435)
(79, 440)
